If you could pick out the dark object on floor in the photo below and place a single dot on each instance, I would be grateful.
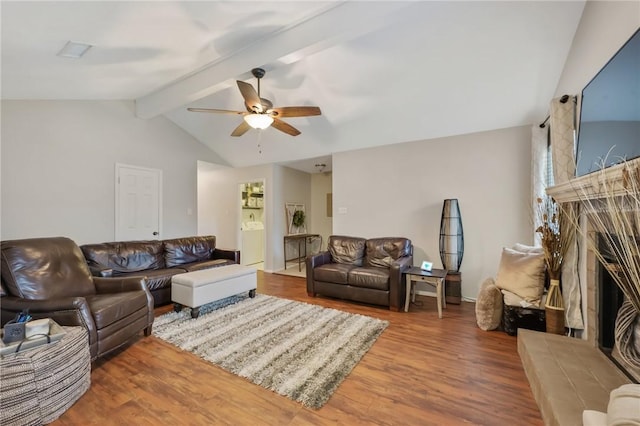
(515, 317)
(452, 288)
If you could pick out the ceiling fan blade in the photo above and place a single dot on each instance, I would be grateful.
(251, 98)
(284, 127)
(216, 111)
(296, 111)
(241, 129)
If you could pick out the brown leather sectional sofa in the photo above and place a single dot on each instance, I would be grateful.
(368, 271)
(157, 260)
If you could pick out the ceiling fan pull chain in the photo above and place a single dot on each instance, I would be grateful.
(259, 140)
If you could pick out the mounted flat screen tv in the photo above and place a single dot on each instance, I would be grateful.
(609, 129)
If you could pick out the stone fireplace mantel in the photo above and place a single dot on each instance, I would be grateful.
(593, 185)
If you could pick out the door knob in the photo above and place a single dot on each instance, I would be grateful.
(155, 232)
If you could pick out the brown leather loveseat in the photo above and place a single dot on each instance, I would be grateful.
(157, 260)
(50, 278)
(368, 271)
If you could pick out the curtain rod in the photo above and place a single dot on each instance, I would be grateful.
(563, 100)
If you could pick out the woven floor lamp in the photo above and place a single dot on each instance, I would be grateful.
(451, 247)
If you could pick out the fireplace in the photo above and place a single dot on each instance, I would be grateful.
(610, 299)
(601, 297)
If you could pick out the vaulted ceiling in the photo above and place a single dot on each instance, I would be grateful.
(382, 72)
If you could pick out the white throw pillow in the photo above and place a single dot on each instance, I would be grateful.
(523, 248)
(522, 274)
(511, 299)
(624, 406)
(594, 418)
(623, 409)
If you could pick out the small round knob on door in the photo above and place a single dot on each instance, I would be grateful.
(155, 232)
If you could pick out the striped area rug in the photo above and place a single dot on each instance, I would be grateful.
(298, 350)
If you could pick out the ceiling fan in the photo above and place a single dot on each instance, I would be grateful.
(260, 112)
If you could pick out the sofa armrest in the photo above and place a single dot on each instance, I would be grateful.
(98, 271)
(403, 263)
(397, 288)
(119, 284)
(230, 254)
(313, 261)
(70, 311)
(123, 284)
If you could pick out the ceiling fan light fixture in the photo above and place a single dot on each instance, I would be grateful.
(258, 121)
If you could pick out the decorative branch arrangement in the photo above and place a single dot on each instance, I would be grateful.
(616, 217)
(557, 232)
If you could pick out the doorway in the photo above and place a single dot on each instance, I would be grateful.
(138, 202)
(252, 223)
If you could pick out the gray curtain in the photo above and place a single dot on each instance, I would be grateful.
(562, 127)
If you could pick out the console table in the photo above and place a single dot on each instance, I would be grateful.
(435, 277)
(301, 239)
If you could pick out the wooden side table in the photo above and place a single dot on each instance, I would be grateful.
(435, 277)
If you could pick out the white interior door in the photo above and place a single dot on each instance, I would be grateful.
(138, 203)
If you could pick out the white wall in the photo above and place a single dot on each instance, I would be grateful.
(219, 201)
(398, 190)
(58, 165)
(605, 26)
(219, 209)
(321, 185)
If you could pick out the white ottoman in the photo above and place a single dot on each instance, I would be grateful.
(195, 289)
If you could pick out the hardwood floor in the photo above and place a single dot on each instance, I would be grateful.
(421, 371)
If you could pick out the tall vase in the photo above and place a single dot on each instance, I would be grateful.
(554, 308)
(451, 236)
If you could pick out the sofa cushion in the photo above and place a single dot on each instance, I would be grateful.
(370, 277)
(126, 256)
(158, 278)
(348, 250)
(382, 252)
(179, 251)
(198, 266)
(333, 273)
